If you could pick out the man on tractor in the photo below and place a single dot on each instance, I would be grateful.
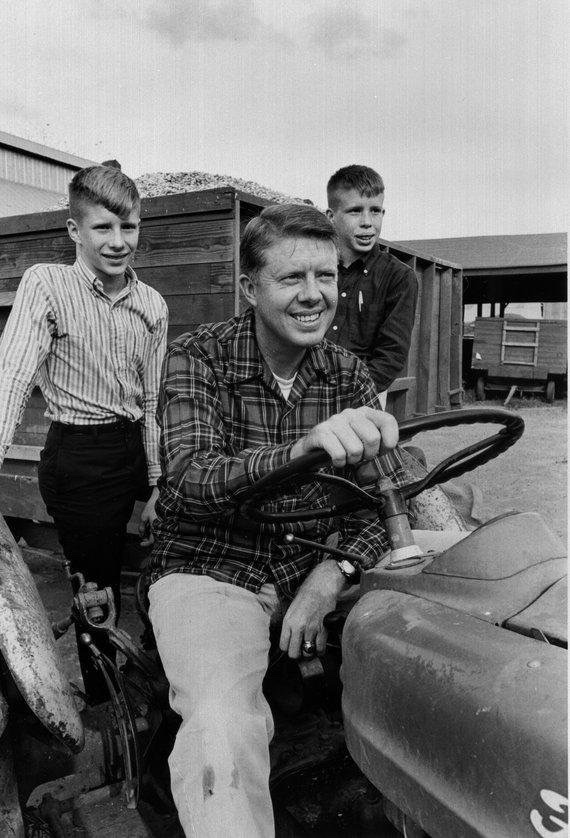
(239, 399)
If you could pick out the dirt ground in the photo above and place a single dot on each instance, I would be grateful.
(529, 477)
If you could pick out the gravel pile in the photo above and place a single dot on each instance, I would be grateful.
(155, 184)
(169, 183)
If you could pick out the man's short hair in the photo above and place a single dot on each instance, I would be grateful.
(281, 221)
(105, 185)
(365, 180)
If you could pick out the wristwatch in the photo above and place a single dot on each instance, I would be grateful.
(348, 570)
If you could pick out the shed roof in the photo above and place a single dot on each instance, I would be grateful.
(45, 152)
(533, 250)
(20, 198)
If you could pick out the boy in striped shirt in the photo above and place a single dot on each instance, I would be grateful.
(92, 336)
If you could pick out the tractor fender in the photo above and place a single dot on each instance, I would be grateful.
(458, 722)
(28, 647)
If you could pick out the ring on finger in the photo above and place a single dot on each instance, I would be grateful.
(309, 648)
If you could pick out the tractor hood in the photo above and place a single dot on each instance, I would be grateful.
(495, 574)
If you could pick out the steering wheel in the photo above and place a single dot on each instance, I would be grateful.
(304, 469)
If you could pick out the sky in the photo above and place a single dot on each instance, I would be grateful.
(459, 104)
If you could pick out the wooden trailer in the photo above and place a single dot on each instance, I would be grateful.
(189, 252)
(511, 352)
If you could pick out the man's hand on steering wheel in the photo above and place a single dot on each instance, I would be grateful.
(317, 597)
(349, 437)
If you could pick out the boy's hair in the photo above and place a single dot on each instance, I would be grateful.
(104, 185)
(281, 221)
(366, 181)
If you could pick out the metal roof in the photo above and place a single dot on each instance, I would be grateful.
(20, 198)
(45, 152)
(477, 252)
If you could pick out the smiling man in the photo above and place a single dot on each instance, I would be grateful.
(93, 337)
(377, 292)
(237, 400)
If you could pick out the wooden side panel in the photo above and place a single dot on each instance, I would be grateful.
(552, 346)
(487, 342)
(456, 340)
(402, 394)
(444, 340)
(551, 357)
(429, 339)
(189, 252)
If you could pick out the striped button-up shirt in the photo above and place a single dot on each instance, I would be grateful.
(225, 424)
(95, 359)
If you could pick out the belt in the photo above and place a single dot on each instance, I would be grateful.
(96, 430)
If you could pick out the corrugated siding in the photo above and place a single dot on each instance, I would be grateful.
(32, 171)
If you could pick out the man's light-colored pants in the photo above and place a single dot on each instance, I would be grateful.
(213, 640)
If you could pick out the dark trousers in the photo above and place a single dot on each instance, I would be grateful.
(89, 479)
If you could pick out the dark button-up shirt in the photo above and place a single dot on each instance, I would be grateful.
(375, 314)
(225, 424)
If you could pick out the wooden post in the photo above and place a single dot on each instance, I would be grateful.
(237, 238)
(444, 340)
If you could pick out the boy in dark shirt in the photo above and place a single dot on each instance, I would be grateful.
(377, 293)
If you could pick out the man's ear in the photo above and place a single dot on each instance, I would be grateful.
(248, 289)
(329, 214)
(73, 230)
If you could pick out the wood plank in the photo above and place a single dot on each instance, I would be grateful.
(10, 283)
(186, 243)
(444, 339)
(24, 452)
(412, 364)
(33, 222)
(195, 218)
(236, 257)
(401, 384)
(456, 340)
(188, 203)
(199, 308)
(428, 341)
(17, 256)
(20, 497)
(189, 279)
(161, 244)
(7, 298)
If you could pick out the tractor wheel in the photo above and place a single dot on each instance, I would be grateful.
(549, 392)
(480, 389)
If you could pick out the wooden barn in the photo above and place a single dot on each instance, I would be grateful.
(189, 251)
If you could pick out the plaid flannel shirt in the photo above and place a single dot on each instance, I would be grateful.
(225, 424)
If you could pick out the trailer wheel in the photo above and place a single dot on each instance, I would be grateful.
(480, 389)
(550, 392)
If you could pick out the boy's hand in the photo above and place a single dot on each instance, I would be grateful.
(147, 518)
(351, 436)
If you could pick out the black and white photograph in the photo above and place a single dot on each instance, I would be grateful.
(283, 419)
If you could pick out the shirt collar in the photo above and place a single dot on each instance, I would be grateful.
(90, 278)
(362, 261)
(246, 361)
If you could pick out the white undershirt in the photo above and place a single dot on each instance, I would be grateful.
(285, 384)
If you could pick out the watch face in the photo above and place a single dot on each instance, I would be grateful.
(346, 567)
